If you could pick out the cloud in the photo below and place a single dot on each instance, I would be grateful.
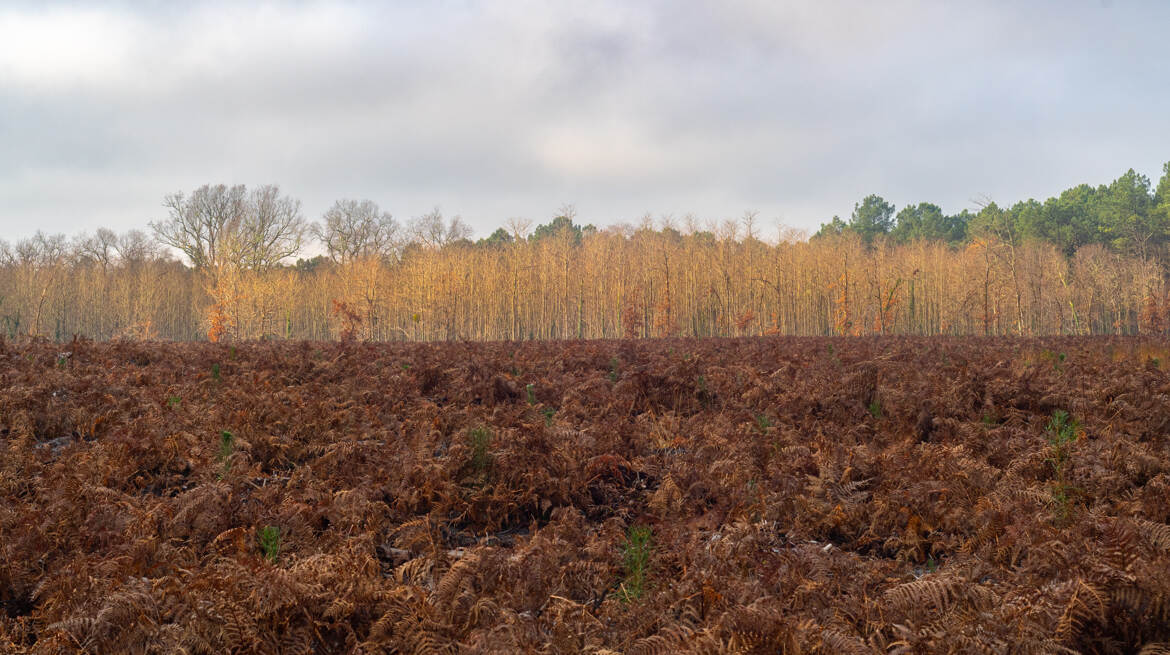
(62, 48)
(513, 108)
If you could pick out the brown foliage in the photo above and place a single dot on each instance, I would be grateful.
(787, 514)
(217, 323)
(351, 320)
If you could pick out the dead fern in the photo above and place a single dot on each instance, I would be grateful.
(816, 530)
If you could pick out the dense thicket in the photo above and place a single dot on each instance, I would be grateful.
(765, 495)
(1091, 261)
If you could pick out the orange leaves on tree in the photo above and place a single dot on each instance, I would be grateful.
(665, 324)
(217, 322)
(351, 320)
(842, 313)
(226, 293)
(775, 328)
(888, 302)
(1155, 314)
(744, 321)
(632, 317)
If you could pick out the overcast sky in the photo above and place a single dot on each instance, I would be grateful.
(499, 109)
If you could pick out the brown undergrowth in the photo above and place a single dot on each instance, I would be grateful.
(895, 495)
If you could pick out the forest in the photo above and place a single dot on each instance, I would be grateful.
(233, 263)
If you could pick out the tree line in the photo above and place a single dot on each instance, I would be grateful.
(1127, 215)
(1092, 260)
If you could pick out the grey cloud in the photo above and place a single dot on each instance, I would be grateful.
(512, 108)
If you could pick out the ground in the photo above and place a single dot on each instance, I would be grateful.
(728, 495)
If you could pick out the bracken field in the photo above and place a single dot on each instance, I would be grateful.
(767, 495)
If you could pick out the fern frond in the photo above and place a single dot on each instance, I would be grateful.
(1085, 604)
(938, 592)
(1158, 534)
(836, 641)
(418, 572)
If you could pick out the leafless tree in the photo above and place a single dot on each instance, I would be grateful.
(42, 250)
(273, 229)
(519, 227)
(99, 248)
(199, 224)
(136, 246)
(432, 231)
(351, 229)
(750, 220)
(107, 248)
(567, 210)
(220, 225)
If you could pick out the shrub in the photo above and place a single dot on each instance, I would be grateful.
(478, 439)
(763, 423)
(1062, 432)
(227, 445)
(269, 537)
(635, 562)
(223, 455)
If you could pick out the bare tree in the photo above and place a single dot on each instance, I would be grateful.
(42, 250)
(108, 248)
(728, 230)
(352, 229)
(220, 225)
(41, 261)
(272, 230)
(99, 248)
(136, 246)
(519, 227)
(788, 234)
(432, 232)
(749, 220)
(199, 224)
(457, 230)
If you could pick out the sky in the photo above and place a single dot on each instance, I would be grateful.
(493, 110)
